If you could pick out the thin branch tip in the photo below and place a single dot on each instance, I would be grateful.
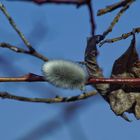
(58, 99)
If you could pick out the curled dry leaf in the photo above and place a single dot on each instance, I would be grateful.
(124, 98)
(92, 66)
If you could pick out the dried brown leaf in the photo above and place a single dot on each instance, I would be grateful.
(124, 63)
(126, 98)
(127, 66)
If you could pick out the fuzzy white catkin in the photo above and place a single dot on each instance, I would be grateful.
(64, 74)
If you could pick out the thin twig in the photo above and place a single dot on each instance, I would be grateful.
(123, 36)
(13, 24)
(116, 19)
(13, 48)
(20, 50)
(31, 51)
(75, 2)
(6, 95)
(92, 23)
(112, 7)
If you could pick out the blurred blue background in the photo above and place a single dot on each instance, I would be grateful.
(60, 32)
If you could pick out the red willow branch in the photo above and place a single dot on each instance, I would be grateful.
(25, 78)
(37, 78)
(129, 81)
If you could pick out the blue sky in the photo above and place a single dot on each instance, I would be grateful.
(60, 32)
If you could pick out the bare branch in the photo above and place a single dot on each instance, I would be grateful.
(31, 51)
(116, 19)
(20, 50)
(13, 24)
(25, 78)
(92, 23)
(123, 36)
(13, 48)
(112, 7)
(75, 2)
(6, 95)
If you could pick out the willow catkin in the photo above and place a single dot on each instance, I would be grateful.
(64, 74)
